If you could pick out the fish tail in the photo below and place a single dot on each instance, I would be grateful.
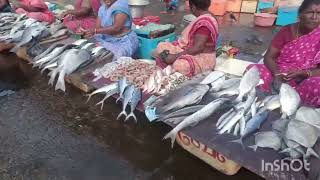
(101, 102)
(60, 83)
(172, 135)
(131, 115)
(254, 147)
(118, 99)
(52, 75)
(311, 152)
(239, 141)
(122, 113)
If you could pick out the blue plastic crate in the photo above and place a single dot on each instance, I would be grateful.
(264, 5)
(146, 46)
(287, 15)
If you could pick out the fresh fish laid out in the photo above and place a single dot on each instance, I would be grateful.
(267, 139)
(302, 133)
(108, 94)
(196, 117)
(60, 33)
(55, 27)
(217, 84)
(136, 98)
(127, 96)
(250, 80)
(289, 100)
(309, 115)
(122, 85)
(253, 125)
(104, 89)
(49, 50)
(182, 112)
(213, 76)
(70, 61)
(28, 34)
(184, 96)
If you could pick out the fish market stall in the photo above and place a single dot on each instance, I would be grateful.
(230, 108)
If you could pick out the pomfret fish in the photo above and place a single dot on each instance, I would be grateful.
(195, 118)
(302, 133)
(289, 100)
(122, 85)
(268, 139)
(70, 62)
(128, 92)
(136, 98)
(309, 115)
(249, 81)
(253, 125)
(103, 89)
(280, 125)
(184, 96)
(213, 76)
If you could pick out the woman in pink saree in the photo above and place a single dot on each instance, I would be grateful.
(294, 56)
(35, 9)
(84, 15)
(194, 52)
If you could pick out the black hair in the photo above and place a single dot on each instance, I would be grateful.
(307, 3)
(200, 4)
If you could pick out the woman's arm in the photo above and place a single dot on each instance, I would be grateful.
(119, 21)
(98, 23)
(270, 59)
(198, 47)
(29, 8)
(84, 11)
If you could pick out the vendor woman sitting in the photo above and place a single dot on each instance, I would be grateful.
(294, 56)
(113, 29)
(35, 9)
(194, 52)
(84, 15)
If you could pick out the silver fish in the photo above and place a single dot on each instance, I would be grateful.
(231, 83)
(126, 99)
(213, 76)
(302, 133)
(182, 112)
(80, 42)
(195, 118)
(103, 89)
(175, 120)
(253, 125)
(184, 96)
(136, 98)
(89, 46)
(280, 125)
(47, 51)
(309, 115)
(268, 139)
(109, 93)
(224, 127)
(289, 100)
(227, 92)
(70, 62)
(55, 27)
(216, 85)
(249, 81)
(236, 129)
(28, 34)
(60, 33)
(123, 84)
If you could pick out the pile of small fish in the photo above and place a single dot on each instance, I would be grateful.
(65, 59)
(128, 93)
(107, 70)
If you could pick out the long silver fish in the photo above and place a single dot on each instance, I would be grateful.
(109, 94)
(136, 98)
(123, 84)
(253, 125)
(68, 64)
(213, 76)
(249, 81)
(217, 84)
(289, 100)
(126, 99)
(268, 139)
(47, 51)
(232, 122)
(195, 118)
(182, 112)
(184, 96)
(103, 89)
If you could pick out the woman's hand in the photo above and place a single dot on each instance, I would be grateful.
(88, 33)
(300, 74)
